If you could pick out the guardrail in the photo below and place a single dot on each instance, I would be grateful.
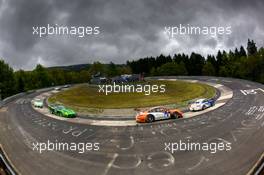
(13, 97)
(5, 164)
(258, 168)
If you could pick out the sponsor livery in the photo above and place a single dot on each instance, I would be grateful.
(62, 111)
(201, 104)
(158, 113)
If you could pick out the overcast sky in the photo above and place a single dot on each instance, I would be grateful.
(129, 29)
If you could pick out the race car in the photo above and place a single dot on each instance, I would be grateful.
(57, 88)
(38, 103)
(201, 104)
(158, 113)
(66, 86)
(62, 111)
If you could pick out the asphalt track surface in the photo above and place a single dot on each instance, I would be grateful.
(140, 149)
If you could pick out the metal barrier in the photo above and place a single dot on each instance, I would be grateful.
(258, 168)
(5, 164)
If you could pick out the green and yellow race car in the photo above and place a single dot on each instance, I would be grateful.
(61, 111)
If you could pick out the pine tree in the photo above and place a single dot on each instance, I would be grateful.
(242, 52)
(7, 81)
(251, 48)
(208, 69)
(219, 60)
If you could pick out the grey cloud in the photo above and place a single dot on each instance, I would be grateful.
(129, 29)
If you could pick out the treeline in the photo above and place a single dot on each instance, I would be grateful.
(238, 63)
(12, 82)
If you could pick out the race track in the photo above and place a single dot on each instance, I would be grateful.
(140, 149)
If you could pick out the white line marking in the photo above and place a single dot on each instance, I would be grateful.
(110, 164)
(132, 142)
(225, 97)
(261, 89)
(203, 159)
(243, 92)
(218, 85)
(259, 116)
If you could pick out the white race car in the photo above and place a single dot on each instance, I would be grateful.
(38, 103)
(201, 104)
(57, 88)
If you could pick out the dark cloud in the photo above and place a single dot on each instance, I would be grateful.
(129, 29)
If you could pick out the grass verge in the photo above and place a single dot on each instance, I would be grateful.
(177, 92)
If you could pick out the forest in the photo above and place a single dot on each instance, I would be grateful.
(238, 63)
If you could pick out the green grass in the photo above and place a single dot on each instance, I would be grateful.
(177, 92)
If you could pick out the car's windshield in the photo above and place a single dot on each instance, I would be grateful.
(60, 107)
(152, 110)
(157, 110)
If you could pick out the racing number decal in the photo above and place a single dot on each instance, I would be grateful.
(166, 114)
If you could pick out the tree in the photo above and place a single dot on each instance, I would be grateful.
(242, 52)
(171, 68)
(58, 76)
(196, 63)
(112, 70)
(182, 69)
(236, 54)
(211, 59)
(97, 67)
(7, 81)
(153, 72)
(41, 77)
(223, 71)
(124, 70)
(20, 82)
(72, 77)
(208, 69)
(168, 69)
(251, 48)
(160, 60)
(85, 76)
(219, 60)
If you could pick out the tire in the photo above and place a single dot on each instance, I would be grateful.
(174, 115)
(150, 118)
(203, 108)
